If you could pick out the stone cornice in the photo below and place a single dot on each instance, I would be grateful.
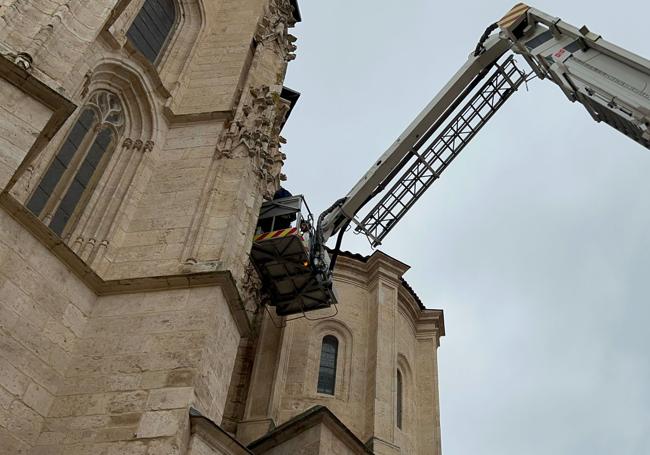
(188, 117)
(382, 267)
(365, 271)
(221, 278)
(431, 323)
(380, 263)
(41, 88)
(351, 271)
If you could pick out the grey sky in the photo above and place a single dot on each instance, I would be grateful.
(536, 242)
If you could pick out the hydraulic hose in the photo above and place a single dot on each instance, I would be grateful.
(486, 34)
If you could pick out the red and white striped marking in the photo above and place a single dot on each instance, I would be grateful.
(513, 15)
(276, 234)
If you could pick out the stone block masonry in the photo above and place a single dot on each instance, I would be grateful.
(119, 372)
(82, 371)
(43, 311)
(142, 361)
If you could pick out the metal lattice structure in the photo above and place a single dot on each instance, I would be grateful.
(430, 159)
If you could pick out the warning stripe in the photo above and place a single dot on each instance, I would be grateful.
(276, 234)
(513, 15)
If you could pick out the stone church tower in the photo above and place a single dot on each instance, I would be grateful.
(138, 141)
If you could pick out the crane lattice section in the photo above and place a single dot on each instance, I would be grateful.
(430, 159)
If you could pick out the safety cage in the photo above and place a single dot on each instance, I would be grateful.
(281, 254)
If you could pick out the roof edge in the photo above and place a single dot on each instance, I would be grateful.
(365, 259)
(312, 416)
(204, 426)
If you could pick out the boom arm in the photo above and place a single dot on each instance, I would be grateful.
(611, 83)
(389, 163)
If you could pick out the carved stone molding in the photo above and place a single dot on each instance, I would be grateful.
(273, 29)
(24, 61)
(109, 108)
(76, 245)
(251, 287)
(148, 146)
(86, 83)
(255, 133)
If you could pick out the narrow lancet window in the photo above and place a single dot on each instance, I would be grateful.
(61, 161)
(75, 168)
(399, 400)
(152, 27)
(82, 180)
(327, 370)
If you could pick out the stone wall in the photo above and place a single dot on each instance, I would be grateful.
(21, 120)
(106, 337)
(153, 242)
(200, 150)
(381, 327)
(142, 361)
(55, 33)
(44, 311)
(81, 373)
(221, 57)
(308, 442)
(331, 443)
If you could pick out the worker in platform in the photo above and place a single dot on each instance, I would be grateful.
(282, 221)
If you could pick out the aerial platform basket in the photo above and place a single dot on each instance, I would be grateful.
(281, 255)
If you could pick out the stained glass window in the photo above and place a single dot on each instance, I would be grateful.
(327, 370)
(152, 26)
(74, 168)
(61, 161)
(81, 181)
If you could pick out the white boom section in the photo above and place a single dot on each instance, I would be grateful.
(612, 83)
(495, 47)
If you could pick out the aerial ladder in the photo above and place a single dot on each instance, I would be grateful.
(611, 83)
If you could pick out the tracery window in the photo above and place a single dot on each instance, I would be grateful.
(400, 398)
(75, 169)
(327, 369)
(150, 30)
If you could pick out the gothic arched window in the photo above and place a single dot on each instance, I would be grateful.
(327, 369)
(400, 399)
(73, 171)
(152, 26)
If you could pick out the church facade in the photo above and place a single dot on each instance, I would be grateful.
(138, 141)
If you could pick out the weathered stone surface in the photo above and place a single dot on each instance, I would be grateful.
(160, 423)
(171, 398)
(39, 399)
(21, 120)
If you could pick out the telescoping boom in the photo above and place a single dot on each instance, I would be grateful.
(611, 83)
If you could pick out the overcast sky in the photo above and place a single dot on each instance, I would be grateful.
(536, 241)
